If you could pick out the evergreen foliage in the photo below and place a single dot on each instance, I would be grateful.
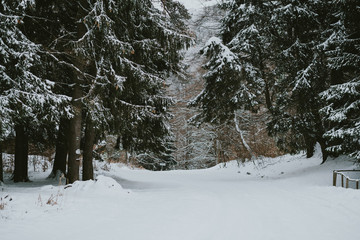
(300, 59)
(24, 95)
(114, 55)
(133, 46)
(342, 99)
(27, 101)
(301, 71)
(237, 65)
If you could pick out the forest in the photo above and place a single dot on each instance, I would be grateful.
(73, 72)
(298, 60)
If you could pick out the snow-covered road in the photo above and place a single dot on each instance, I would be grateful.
(225, 204)
(283, 198)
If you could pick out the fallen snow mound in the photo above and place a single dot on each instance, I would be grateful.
(101, 183)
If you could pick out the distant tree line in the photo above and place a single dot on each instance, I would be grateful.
(71, 71)
(300, 60)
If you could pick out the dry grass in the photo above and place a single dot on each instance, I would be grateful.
(52, 200)
(3, 201)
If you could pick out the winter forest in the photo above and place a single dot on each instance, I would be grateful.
(73, 72)
(115, 92)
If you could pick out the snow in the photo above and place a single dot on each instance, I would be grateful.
(288, 197)
(198, 4)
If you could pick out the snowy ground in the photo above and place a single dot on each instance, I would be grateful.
(282, 198)
(198, 4)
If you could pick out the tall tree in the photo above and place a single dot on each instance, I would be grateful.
(238, 69)
(59, 29)
(239, 73)
(301, 71)
(118, 54)
(1, 164)
(126, 95)
(342, 100)
(60, 49)
(25, 95)
(80, 64)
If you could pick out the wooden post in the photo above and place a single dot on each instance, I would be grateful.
(357, 184)
(342, 180)
(347, 182)
(334, 178)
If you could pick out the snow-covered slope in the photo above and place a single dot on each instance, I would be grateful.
(198, 4)
(289, 197)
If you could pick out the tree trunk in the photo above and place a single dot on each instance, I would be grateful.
(75, 122)
(310, 146)
(21, 155)
(268, 97)
(61, 149)
(324, 152)
(1, 165)
(118, 141)
(75, 136)
(88, 169)
(319, 136)
(243, 141)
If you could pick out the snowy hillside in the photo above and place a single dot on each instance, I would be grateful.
(198, 4)
(289, 197)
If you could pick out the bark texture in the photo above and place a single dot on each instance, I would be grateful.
(88, 169)
(75, 122)
(75, 136)
(1, 165)
(61, 149)
(21, 155)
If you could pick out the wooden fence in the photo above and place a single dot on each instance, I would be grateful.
(345, 179)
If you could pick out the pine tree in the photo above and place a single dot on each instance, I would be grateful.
(239, 77)
(26, 99)
(116, 55)
(125, 66)
(133, 46)
(341, 111)
(300, 71)
(52, 25)
(237, 66)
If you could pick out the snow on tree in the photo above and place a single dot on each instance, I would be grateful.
(274, 53)
(26, 100)
(117, 54)
(300, 71)
(142, 46)
(239, 69)
(238, 76)
(341, 111)
(226, 88)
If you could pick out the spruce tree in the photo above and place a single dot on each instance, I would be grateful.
(133, 46)
(342, 100)
(237, 75)
(115, 55)
(300, 68)
(27, 99)
(51, 25)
